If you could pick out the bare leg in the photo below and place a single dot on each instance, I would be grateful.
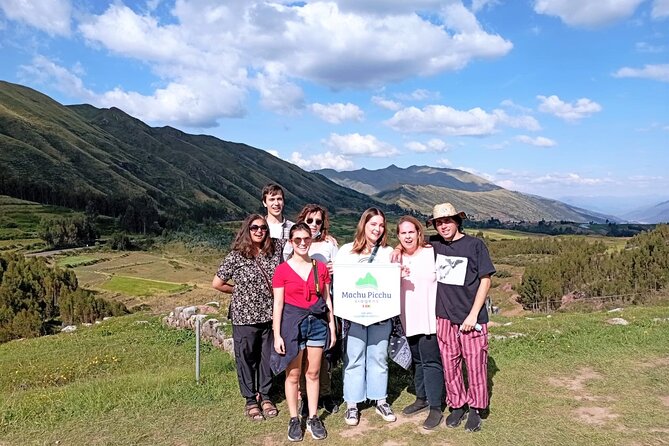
(314, 357)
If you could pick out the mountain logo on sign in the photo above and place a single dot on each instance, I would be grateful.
(367, 282)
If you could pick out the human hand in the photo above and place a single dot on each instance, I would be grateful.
(396, 255)
(279, 345)
(333, 336)
(405, 271)
(469, 323)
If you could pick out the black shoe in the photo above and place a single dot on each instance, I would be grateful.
(295, 430)
(417, 406)
(455, 417)
(316, 429)
(304, 407)
(474, 422)
(433, 419)
(329, 404)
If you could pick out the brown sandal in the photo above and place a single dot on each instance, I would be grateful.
(252, 412)
(269, 409)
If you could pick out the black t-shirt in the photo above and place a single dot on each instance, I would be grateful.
(460, 266)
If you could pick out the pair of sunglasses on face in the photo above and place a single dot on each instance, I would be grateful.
(311, 220)
(255, 228)
(300, 240)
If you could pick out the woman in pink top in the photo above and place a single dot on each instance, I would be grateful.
(418, 300)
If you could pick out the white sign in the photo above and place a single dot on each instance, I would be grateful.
(366, 293)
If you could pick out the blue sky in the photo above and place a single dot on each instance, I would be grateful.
(566, 99)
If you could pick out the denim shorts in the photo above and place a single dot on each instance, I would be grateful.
(313, 332)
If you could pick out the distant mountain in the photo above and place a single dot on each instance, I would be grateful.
(658, 213)
(76, 155)
(421, 187)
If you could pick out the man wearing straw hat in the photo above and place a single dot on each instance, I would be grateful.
(464, 269)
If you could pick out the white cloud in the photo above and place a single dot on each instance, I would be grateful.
(388, 104)
(645, 47)
(50, 16)
(326, 160)
(473, 171)
(580, 109)
(419, 94)
(444, 120)
(478, 5)
(273, 152)
(660, 9)
(508, 103)
(355, 144)
(567, 179)
(539, 141)
(433, 145)
(586, 13)
(653, 72)
(277, 93)
(45, 71)
(445, 162)
(337, 113)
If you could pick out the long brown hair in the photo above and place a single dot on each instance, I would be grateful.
(310, 209)
(244, 244)
(360, 242)
(420, 232)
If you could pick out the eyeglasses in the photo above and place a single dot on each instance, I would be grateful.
(300, 240)
(311, 220)
(255, 228)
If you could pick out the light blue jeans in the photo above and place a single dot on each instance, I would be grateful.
(366, 362)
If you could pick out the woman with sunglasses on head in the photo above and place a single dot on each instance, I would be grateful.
(366, 347)
(303, 325)
(246, 273)
(418, 299)
(324, 249)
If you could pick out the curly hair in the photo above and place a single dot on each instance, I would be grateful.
(360, 242)
(325, 225)
(420, 232)
(244, 244)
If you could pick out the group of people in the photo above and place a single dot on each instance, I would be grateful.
(280, 277)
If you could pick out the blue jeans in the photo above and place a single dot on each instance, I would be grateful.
(313, 332)
(366, 362)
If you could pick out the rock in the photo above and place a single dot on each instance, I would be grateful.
(495, 309)
(69, 329)
(507, 324)
(141, 322)
(615, 310)
(229, 345)
(213, 303)
(207, 309)
(617, 321)
(189, 311)
(86, 324)
(107, 318)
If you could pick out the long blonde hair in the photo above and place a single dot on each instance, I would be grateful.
(360, 242)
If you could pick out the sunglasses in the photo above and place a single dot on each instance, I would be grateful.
(300, 240)
(255, 228)
(311, 220)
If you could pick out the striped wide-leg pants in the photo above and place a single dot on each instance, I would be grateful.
(471, 346)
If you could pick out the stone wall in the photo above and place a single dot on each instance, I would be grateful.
(211, 329)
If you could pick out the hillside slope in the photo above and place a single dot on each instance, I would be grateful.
(73, 155)
(658, 213)
(421, 187)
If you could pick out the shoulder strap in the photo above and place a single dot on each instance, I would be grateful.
(371, 257)
(314, 266)
(269, 284)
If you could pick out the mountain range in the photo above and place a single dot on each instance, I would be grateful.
(421, 187)
(76, 155)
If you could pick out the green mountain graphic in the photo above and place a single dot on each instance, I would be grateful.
(367, 282)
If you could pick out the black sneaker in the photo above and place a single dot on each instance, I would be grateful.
(455, 417)
(329, 404)
(433, 419)
(316, 428)
(351, 417)
(386, 412)
(304, 407)
(416, 407)
(295, 430)
(474, 422)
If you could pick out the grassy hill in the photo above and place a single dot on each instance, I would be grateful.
(421, 187)
(72, 155)
(569, 379)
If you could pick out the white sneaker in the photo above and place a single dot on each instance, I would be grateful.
(351, 416)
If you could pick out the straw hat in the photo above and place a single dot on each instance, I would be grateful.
(445, 210)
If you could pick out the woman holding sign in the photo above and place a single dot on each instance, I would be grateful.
(366, 356)
(418, 301)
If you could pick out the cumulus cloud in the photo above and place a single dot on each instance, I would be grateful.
(660, 9)
(568, 179)
(654, 72)
(50, 16)
(445, 120)
(45, 71)
(337, 113)
(539, 141)
(575, 111)
(444, 162)
(433, 145)
(355, 144)
(419, 94)
(587, 13)
(388, 104)
(277, 93)
(326, 160)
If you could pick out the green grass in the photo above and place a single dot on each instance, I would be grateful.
(19, 219)
(133, 383)
(134, 286)
(72, 261)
